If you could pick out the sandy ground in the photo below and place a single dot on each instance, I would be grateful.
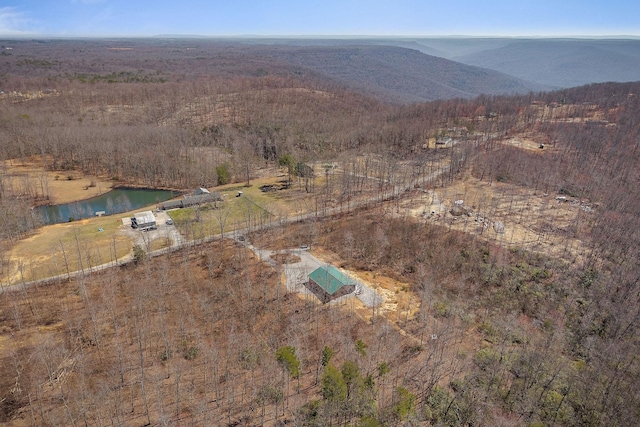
(526, 144)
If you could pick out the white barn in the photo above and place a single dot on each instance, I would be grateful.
(144, 221)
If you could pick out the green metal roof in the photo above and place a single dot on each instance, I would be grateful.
(330, 279)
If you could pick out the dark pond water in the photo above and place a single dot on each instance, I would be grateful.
(114, 202)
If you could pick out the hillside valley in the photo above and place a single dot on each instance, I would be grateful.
(563, 63)
(399, 74)
(537, 63)
(389, 73)
(496, 233)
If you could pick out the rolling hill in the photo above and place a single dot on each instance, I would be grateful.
(400, 70)
(390, 73)
(563, 63)
(549, 62)
(399, 74)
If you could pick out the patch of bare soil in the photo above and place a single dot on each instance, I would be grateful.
(285, 258)
(508, 215)
(530, 141)
(526, 144)
(400, 305)
(30, 95)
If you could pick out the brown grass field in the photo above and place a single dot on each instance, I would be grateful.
(30, 178)
(61, 248)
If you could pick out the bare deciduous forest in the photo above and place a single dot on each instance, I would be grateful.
(486, 330)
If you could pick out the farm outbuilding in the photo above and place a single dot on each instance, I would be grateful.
(171, 204)
(329, 283)
(144, 221)
(192, 200)
(195, 200)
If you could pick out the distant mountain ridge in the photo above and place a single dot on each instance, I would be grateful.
(399, 70)
(557, 62)
(563, 63)
(399, 74)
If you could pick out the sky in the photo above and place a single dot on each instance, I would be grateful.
(142, 18)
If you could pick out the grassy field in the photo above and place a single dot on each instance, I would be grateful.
(253, 208)
(61, 248)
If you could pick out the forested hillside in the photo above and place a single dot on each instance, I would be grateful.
(480, 325)
(563, 63)
(387, 72)
(401, 75)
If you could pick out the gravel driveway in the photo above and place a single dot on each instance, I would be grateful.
(296, 275)
(144, 238)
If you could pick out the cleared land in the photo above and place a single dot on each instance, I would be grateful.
(62, 248)
(506, 214)
(530, 219)
(30, 178)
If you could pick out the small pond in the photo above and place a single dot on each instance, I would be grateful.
(115, 201)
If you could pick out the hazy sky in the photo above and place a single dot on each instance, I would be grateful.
(319, 17)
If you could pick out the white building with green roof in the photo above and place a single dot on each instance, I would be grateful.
(329, 283)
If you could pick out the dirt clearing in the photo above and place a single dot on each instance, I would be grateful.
(508, 215)
(29, 178)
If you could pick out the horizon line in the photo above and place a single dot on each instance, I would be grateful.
(318, 36)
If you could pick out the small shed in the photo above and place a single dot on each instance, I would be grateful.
(444, 142)
(329, 283)
(144, 221)
(200, 191)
